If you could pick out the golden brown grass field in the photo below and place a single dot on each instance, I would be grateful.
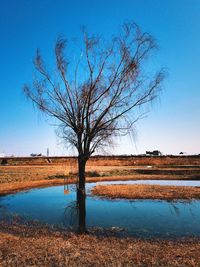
(23, 173)
(24, 246)
(147, 192)
(33, 245)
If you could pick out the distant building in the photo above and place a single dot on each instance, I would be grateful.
(36, 155)
(153, 153)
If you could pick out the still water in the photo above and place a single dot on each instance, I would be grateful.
(143, 218)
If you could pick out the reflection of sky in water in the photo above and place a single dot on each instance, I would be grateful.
(156, 182)
(140, 217)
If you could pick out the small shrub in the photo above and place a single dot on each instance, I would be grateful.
(92, 174)
(4, 162)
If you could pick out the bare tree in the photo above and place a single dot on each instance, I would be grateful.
(99, 96)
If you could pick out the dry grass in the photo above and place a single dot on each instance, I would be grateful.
(31, 172)
(22, 246)
(147, 192)
(10, 188)
(50, 171)
(22, 177)
(14, 187)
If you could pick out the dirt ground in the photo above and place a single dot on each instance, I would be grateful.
(24, 246)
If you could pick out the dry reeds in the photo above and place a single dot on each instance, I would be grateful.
(147, 192)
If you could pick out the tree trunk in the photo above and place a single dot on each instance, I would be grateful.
(81, 174)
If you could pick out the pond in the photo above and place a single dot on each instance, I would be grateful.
(141, 218)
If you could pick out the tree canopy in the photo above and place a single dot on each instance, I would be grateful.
(97, 96)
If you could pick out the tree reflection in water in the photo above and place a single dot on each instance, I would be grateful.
(182, 216)
(81, 203)
(75, 213)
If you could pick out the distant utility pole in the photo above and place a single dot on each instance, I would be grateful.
(47, 152)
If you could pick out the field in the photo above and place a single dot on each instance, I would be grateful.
(33, 245)
(23, 173)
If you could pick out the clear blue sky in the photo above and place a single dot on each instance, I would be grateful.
(173, 125)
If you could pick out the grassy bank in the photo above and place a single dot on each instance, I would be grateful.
(35, 246)
(11, 188)
(17, 178)
(147, 192)
(14, 187)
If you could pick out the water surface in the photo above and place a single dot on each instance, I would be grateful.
(143, 218)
